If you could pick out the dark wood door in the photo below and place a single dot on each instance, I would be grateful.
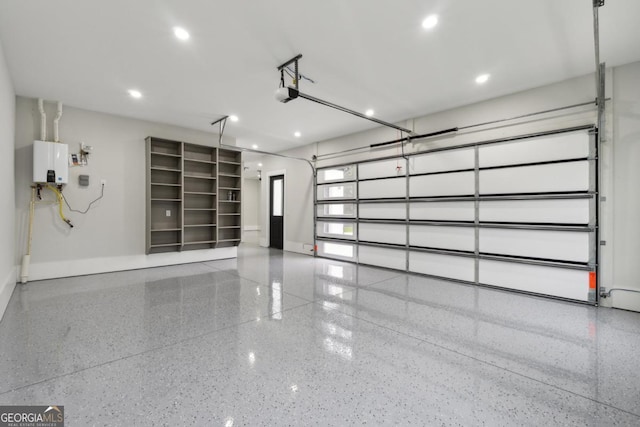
(276, 211)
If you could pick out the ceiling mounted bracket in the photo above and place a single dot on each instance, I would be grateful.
(598, 3)
(289, 93)
(223, 122)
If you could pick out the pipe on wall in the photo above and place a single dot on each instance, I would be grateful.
(43, 120)
(56, 121)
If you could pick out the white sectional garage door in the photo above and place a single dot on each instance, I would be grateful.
(518, 213)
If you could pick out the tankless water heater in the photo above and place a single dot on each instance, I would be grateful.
(50, 162)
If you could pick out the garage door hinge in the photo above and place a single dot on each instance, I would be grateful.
(603, 242)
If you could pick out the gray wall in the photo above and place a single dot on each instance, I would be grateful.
(621, 209)
(7, 234)
(110, 236)
(250, 203)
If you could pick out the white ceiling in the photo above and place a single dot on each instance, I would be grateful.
(361, 53)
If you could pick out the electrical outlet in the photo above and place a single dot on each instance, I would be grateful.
(168, 212)
(103, 182)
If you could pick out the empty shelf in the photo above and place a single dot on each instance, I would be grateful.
(164, 245)
(202, 242)
(157, 153)
(206, 162)
(159, 168)
(199, 177)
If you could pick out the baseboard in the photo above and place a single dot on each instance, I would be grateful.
(251, 228)
(299, 247)
(625, 300)
(6, 289)
(54, 270)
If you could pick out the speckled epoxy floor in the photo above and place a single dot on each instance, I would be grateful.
(277, 338)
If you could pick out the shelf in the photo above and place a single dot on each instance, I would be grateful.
(157, 168)
(164, 245)
(199, 177)
(206, 162)
(182, 180)
(229, 201)
(162, 184)
(157, 153)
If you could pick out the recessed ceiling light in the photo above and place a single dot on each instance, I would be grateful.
(482, 78)
(135, 93)
(254, 146)
(259, 165)
(233, 118)
(430, 22)
(181, 33)
(369, 113)
(297, 134)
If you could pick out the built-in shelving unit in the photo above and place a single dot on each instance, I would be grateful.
(229, 202)
(193, 196)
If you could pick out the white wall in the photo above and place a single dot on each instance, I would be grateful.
(298, 200)
(112, 235)
(626, 195)
(7, 233)
(250, 203)
(624, 113)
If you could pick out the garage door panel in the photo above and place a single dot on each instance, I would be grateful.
(383, 188)
(383, 210)
(442, 211)
(387, 168)
(383, 233)
(556, 177)
(559, 211)
(453, 238)
(338, 191)
(558, 282)
(556, 245)
(548, 148)
(337, 210)
(446, 184)
(383, 257)
(442, 161)
(339, 230)
(453, 267)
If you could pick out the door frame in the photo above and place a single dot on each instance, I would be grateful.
(276, 220)
(266, 198)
